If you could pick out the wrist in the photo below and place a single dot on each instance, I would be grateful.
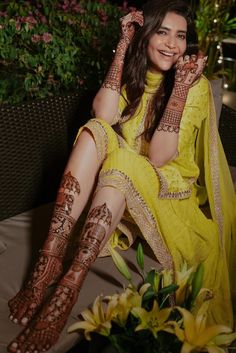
(180, 90)
(122, 47)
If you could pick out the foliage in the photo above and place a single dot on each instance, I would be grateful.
(214, 23)
(157, 316)
(51, 47)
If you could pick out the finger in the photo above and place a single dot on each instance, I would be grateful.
(139, 19)
(186, 58)
(193, 57)
(180, 61)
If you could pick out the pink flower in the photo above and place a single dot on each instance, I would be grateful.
(47, 37)
(36, 38)
(103, 16)
(3, 14)
(31, 20)
(78, 9)
(18, 26)
(43, 19)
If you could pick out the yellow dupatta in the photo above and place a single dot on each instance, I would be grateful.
(215, 178)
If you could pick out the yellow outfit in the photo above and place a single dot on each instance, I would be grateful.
(163, 203)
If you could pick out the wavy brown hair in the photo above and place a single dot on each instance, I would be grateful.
(136, 63)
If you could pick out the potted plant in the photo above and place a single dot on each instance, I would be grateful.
(52, 47)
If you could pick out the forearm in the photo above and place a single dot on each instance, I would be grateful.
(164, 143)
(105, 104)
(171, 118)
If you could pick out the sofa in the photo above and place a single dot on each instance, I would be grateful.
(35, 141)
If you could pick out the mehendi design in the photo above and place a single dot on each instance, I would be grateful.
(172, 115)
(24, 305)
(49, 267)
(113, 77)
(70, 183)
(188, 70)
(45, 330)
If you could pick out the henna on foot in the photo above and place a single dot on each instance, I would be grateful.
(48, 268)
(24, 305)
(43, 332)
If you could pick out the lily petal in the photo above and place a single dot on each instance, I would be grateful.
(189, 324)
(187, 347)
(224, 339)
(209, 333)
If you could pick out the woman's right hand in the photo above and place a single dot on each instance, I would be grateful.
(127, 24)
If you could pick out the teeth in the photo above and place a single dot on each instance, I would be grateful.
(167, 54)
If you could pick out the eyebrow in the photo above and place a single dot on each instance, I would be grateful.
(168, 29)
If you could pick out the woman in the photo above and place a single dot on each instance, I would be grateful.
(151, 177)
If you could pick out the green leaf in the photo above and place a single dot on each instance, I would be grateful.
(140, 256)
(169, 289)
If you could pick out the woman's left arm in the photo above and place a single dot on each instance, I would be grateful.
(164, 143)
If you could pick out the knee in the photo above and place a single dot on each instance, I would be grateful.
(123, 160)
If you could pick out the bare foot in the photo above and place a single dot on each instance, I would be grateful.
(27, 301)
(43, 332)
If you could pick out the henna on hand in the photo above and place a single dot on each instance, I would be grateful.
(113, 77)
(188, 70)
(127, 25)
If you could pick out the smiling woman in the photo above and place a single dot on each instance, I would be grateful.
(168, 44)
(152, 154)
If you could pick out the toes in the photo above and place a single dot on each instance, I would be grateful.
(24, 321)
(13, 347)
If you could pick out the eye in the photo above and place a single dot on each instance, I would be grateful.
(161, 32)
(182, 36)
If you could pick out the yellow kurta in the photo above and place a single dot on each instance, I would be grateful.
(163, 203)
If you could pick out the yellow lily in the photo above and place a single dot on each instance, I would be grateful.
(195, 335)
(95, 320)
(123, 303)
(153, 320)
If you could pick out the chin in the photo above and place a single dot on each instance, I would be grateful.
(163, 67)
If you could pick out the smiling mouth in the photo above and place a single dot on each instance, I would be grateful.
(167, 54)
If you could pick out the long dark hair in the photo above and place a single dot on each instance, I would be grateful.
(136, 63)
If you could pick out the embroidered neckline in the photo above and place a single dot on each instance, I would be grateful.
(153, 81)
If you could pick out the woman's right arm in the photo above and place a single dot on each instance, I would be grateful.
(106, 101)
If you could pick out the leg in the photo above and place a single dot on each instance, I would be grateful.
(105, 213)
(74, 191)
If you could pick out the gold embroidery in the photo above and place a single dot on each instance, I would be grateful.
(140, 213)
(100, 137)
(214, 158)
(164, 193)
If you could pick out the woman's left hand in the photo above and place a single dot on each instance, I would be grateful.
(189, 68)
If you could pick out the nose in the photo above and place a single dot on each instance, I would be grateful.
(170, 43)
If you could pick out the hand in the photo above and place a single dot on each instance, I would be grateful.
(189, 68)
(127, 24)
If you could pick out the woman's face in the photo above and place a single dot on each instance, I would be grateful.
(168, 44)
